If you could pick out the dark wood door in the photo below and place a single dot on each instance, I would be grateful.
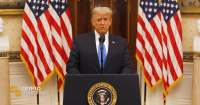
(124, 20)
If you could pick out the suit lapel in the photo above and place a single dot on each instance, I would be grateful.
(111, 49)
(92, 45)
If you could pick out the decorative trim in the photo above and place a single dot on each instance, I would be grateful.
(15, 56)
(188, 56)
(11, 11)
(188, 10)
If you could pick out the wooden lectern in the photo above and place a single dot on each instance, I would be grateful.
(196, 79)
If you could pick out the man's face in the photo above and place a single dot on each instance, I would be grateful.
(101, 23)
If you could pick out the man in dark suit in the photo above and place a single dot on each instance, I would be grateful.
(85, 53)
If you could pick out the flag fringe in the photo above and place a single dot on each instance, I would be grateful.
(145, 79)
(29, 72)
(60, 75)
(47, 78)
(171, 86)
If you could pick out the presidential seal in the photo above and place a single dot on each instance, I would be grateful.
(102, 94)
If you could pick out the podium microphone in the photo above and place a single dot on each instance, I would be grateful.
(101, 40)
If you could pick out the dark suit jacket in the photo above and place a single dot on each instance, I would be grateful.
(84, 58)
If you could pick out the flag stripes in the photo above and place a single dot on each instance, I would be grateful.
(172, 41)
(149, 43)
(159, 43)
(44, 47)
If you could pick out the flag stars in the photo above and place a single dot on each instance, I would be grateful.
(42, 2)
(33, 7)
(52, 0)
(150, 3)
(29, 1)
(155, 10)
(145, 9)
(34, 1)
(163, 10)
(172, 11)
(42, 8)
(142, 3)
(150, 9)
(176, 6)
(38, 1)
(63, 7)
(167, 11)
(149, 15)
(166, 17)
(63, 1)
(168, 5)
(172, 5)
(164, 4)
(56, 1)
(146, 3)
(47, 3)
(36, 14)
(56, 6)
(37, 7)
(155, 4)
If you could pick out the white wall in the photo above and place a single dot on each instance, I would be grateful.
(179, 95)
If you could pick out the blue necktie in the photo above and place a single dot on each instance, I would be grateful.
(104, 54)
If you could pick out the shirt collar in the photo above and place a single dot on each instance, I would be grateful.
(97, 35)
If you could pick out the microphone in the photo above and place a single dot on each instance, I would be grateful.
(101, 40)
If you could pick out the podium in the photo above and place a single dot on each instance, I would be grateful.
(82, 89)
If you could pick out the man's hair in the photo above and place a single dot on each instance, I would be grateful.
(101, 10)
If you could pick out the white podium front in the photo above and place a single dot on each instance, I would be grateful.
(196, 79)
(4, 78)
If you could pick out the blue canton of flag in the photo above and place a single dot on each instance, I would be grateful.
(59, 6)
(38, 7)
(150, 8)
(169, 8)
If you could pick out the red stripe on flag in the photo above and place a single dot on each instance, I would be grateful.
(178, 24)
(174, 45)
(59, 67)
(66, 33)
(68, 15)
(30, 25)
(30, 66)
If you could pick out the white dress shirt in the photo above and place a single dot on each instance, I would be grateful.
(105, 43)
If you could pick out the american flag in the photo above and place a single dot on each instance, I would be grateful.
(39, 41)
(62, 37)
(149, 42)
(172, 45)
